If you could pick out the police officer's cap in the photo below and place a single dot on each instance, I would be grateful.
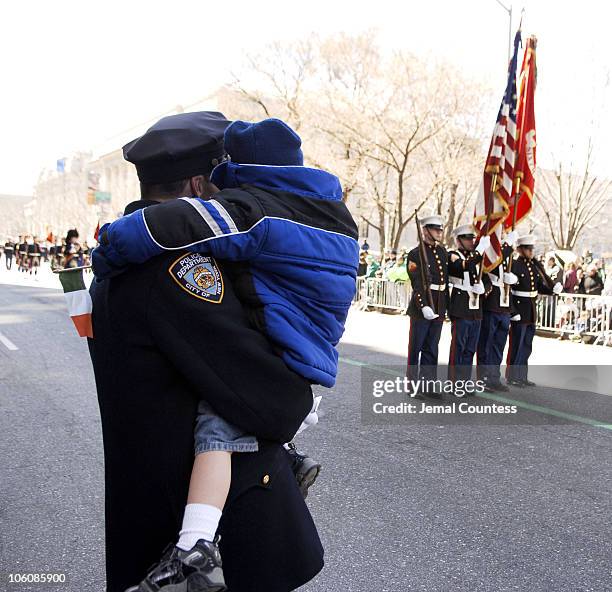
(178, 147)
(466, 230)
(528, 240)
(433, 220)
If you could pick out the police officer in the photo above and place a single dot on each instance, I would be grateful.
(496, 314)
(465, 307)
(426, 320)
(524, 295)
(162, 343)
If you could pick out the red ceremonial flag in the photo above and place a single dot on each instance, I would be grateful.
(495, 191)
(525, 168)
(97, 232)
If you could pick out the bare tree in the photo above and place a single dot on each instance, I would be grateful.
(570, 201)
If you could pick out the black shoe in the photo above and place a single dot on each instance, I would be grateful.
(518, 383)
(528, 383)
(305, 469)
(197, 570)
(496, 387)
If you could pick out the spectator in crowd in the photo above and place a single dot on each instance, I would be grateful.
(399, 271)
(570, 281)
(591, 284)
(389, 262)
(365, 246)
(362, 268)
(373, 266)
(553, 271)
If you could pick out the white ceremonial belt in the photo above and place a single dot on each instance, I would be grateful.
(437, 287)
(524, 294)
(458, 283)
(495, 280)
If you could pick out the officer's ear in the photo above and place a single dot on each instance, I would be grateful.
(202, 187)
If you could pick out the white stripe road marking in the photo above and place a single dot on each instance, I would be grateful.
(9, 344)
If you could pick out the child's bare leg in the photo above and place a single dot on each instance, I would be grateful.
(210, 478)
(208, 489)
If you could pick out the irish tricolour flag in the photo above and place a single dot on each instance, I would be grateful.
(78, 300)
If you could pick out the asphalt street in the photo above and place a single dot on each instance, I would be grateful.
(419, 505)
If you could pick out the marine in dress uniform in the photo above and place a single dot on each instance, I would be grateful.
(523, 324)
(425, 320)
(496, 314)
(465, 307)
(167, 334)
(9, 249)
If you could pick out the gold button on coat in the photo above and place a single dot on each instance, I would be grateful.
(266, 479)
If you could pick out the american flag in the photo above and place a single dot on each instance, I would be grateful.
(496, 188)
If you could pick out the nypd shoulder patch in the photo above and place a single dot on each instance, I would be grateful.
(199, 276)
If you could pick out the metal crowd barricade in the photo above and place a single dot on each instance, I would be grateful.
(382, 294)
(577, 315)
(567, 315)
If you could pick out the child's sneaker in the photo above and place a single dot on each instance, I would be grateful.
(305, 469)
(196, 570)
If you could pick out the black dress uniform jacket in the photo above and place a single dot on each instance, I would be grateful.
(465, 261)
(437, 260)
(158, 349)
(529, 280)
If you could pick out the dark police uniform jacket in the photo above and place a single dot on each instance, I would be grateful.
(525, 291)
(493, 290)
(169, 332)
(466, 262)
(437, 261)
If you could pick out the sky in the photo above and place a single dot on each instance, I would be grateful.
(74, 74)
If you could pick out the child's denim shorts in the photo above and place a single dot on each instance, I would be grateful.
(214, 433)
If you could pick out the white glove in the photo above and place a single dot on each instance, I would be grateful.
(510, 278)
(483, 244)
(511, 237)
(428, 313)
(516, 317)
(478, 288)
(557, 288)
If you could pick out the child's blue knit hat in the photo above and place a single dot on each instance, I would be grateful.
(270, 141)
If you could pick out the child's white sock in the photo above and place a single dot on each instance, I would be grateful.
(199, 522)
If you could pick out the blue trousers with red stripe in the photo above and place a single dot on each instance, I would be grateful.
(491, 344)
(423, 348)
(519, 350)
(464, 342)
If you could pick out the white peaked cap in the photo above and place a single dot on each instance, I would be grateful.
(433, 220)
(528, 239)
(464, 229)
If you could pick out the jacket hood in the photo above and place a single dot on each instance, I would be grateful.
(293, 179)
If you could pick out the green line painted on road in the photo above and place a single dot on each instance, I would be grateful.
(529, 406)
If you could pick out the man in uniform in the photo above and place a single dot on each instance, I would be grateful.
(162, 342)
(426, 317)
(496, 316)
(9, 249)
(524, 294)
(22, 261)
(465, 307)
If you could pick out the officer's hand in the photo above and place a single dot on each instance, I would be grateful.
(515, 318)
(511, 237)
(102, 265)
(483, 244)
(510, 278)
(478, 288)
(428, 313)
(557, 288)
